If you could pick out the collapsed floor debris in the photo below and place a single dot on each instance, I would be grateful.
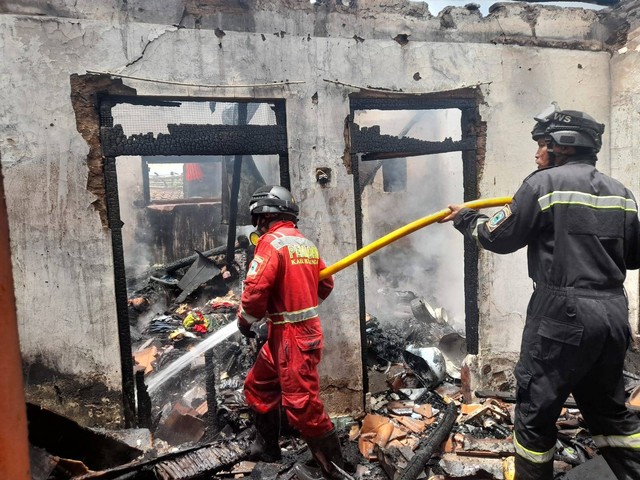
(195, 424)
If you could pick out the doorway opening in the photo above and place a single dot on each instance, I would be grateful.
(411, 156)
(179, 173)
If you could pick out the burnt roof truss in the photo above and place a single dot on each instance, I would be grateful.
(191, 138)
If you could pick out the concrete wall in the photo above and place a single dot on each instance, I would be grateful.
(61, 250)
(625, 128)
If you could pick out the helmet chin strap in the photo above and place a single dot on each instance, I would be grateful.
(264, 221)
(558, 158)
(552, 158)
(550, 152)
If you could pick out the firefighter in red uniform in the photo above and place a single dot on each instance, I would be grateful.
(283, 287)
(582, 232)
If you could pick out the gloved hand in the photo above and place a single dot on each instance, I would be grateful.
(245, 329)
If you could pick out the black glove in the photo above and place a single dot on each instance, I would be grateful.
(245, 329)
(262, 331)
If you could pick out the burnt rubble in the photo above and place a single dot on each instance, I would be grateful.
(193, 421)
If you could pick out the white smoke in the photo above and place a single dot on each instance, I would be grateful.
(428, 262)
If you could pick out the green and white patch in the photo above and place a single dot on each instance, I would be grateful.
(499, 218)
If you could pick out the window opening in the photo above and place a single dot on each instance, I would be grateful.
(168, 198)
(185, 179)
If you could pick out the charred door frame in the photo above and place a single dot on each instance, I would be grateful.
(379, 146)
(218, 140)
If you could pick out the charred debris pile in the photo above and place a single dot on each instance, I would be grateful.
(193, 423)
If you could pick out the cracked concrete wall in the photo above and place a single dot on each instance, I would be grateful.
(370, 19)
(61, 250)
(625, 124)
(63, 270)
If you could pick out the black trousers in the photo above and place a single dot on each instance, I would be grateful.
(575, 341)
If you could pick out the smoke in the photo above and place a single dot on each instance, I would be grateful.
(429, 262)
(137, 254)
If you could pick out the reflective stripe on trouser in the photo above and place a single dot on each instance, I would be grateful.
(622, 453)
(574, 341)
(619, 441)
(531, 455)
(527, 470)
(286, 374)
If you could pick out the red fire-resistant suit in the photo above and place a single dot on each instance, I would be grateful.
(282, 285)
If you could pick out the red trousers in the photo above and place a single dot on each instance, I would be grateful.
(286, 373)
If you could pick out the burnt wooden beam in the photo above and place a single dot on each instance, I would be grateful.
(235, 190)
(144, 401)
(195, 463)
(417, 463)
(362, 306)
(187, 139)
(122, 309)
(470, 173)
(409, 102)
(376, 146)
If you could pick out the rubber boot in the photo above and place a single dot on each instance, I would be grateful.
(266, 446)
(326, 452)
(528, 470)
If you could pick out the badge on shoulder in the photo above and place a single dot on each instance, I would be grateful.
(499, 218)
(255, 266)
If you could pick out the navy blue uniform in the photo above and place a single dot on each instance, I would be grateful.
(582, 232)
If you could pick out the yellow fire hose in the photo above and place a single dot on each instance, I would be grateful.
(406, 230)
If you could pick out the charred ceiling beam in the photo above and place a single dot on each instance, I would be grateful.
(378, 146)
(197, 140)
(191, 139)
(405, 102)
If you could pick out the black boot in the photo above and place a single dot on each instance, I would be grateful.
(528, 470)
(266, 447)
(327, 453)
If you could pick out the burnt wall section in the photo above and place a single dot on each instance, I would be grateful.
(85, 398)
(84, 99)
(520, 23)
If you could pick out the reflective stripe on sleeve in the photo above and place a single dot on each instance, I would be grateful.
(531, 455)
(620, 441)
(250, 319)
(293, 317)
(474, 233)
(587, 200)
(290, 241)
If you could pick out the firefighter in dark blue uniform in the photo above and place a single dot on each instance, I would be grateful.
(582, 232)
